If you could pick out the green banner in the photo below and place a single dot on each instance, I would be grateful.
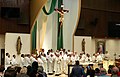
(60, 29)
(52, 7)
(34, 35)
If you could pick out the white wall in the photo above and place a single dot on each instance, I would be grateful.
(10, 43)
(2, 44)
(2, 41)
(78, 46)
(111, 45)
(70, 21)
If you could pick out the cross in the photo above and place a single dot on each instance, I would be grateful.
(61, 11)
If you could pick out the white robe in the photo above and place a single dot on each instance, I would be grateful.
(40, 62)
(14, 61)
(99, 58)
(88, 59)
(83, 57)
(61, 63)
(44, 63)
(73, 60)
(27, 61)
(93, 58)
(76, 57)
(22, 62)
(107, 56)
(47, 56)
(57, 65)
(32, 59)
(7, 60)
(50, 61)
(65, 67)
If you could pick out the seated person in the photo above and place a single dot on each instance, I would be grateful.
(103, 73)
(23, 73)
(90, 71)
(41, 72)
(115, 71)
(2, 68)
(10, 72)
(97, 72)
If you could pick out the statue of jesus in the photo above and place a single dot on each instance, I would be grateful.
(61, 11)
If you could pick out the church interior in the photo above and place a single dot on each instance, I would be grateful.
(58, 36)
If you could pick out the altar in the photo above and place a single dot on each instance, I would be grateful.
(107, 63)
(104, 63)
(84, 64)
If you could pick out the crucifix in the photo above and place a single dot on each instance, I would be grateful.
(61, 11)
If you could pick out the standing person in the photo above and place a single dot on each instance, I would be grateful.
(99, 58)
(77, 71)
(50, 61)
(73, 59)
(14, 61)
(65, 59)
(27, 60)
(47, 58)
(43, 57)
(41, 72)
(40, 62)
(76, 56)
(22, 60)
(94, 56)
(61, 63)
(83, 57)
(7, 59)
(57, 65)
(33, 58)
(53, 58)
(107, 56)
(88, 58)
(69, 52)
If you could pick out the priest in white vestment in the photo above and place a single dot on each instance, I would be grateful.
(22, 60)
(40, 62)
(50, 61)
(14, 61)
(57, 65)
(43, 57)
(27, 60)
